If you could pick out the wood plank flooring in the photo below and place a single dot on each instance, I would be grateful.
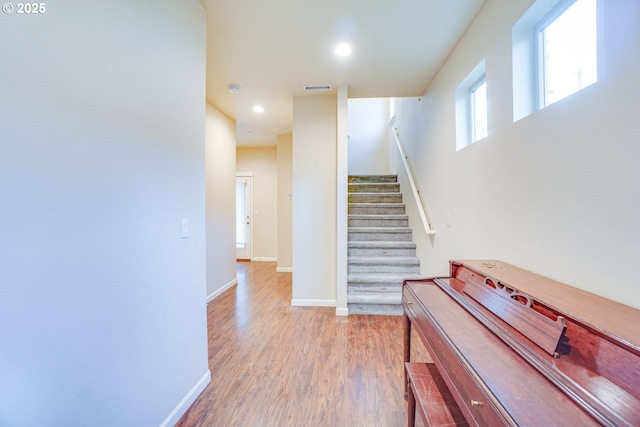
(282, 366)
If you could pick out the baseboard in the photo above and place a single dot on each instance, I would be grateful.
(342, 311)
(187, 401)
(284, 270)
(313, 302)
(264, 258)
(217, 293)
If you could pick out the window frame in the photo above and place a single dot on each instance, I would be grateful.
(527, 89)
(473, 137)
(540, 79)
(463, 107)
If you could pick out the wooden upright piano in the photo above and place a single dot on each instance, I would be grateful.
(518, 349)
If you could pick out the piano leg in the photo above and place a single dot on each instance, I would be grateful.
(411, 406)
(407, 351)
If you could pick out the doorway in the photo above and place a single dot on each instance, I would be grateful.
(243, 216)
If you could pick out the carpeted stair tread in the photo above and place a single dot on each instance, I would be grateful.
(372, 178)
(381, 244)
(381, 253)
(380, 278)
(383, 260)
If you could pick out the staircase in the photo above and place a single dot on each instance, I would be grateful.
(381, 254)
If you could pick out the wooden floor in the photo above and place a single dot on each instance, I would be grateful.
(276, 365)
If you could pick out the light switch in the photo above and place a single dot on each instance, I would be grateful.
(185, 228)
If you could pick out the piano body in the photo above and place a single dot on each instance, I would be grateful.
(518, 349)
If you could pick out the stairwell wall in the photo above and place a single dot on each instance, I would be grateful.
(368, 136)
(555, 192)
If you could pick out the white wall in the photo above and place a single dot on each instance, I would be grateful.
(342, 199)
(221, 202)
(262, 163)
(368, 136)
(285, 194)
(102, 307)
(314, 200)
(556, 192)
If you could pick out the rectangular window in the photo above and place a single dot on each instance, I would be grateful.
(554, 52)
(567, 50)
(472, 112)
(478, 102)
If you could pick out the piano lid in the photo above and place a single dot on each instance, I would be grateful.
(606, 316)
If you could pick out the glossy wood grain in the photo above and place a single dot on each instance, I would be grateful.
(610, 317)
(277, 365)
(429, 395)
(498, 373)
(486, 350)
(593, 363)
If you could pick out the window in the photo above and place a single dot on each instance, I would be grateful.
(554, 53)
(567, 51)
(472, 112)
(478, 102)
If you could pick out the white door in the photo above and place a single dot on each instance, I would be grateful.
(243, 217)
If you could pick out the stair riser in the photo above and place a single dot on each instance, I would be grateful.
(377, 309)
(374, 252)
(382, 268)
(379, 237)
(372, 210)
(373, 298)
(378, 222)
(375, 198)
(374, 188)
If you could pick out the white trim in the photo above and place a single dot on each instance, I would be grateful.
(284, 270)
(342, 311)
(313, 302)
(249, 178)
(217, 293)
(187, 401)
(264, 258)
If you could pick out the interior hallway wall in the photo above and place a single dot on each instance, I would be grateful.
(221, 202)
(102, 155)
(555, 192)
(314, 200)
(262, 163)
(284, 159)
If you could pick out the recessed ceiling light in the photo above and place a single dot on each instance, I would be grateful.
(258, 109)
(343, 49)
(234, 88)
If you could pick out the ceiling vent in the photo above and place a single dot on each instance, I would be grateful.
(317, 88)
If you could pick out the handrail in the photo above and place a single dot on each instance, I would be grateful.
(414, 189)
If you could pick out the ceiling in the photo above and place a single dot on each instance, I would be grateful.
(272, 48)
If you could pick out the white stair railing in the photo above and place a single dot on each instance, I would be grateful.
(414, 189)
